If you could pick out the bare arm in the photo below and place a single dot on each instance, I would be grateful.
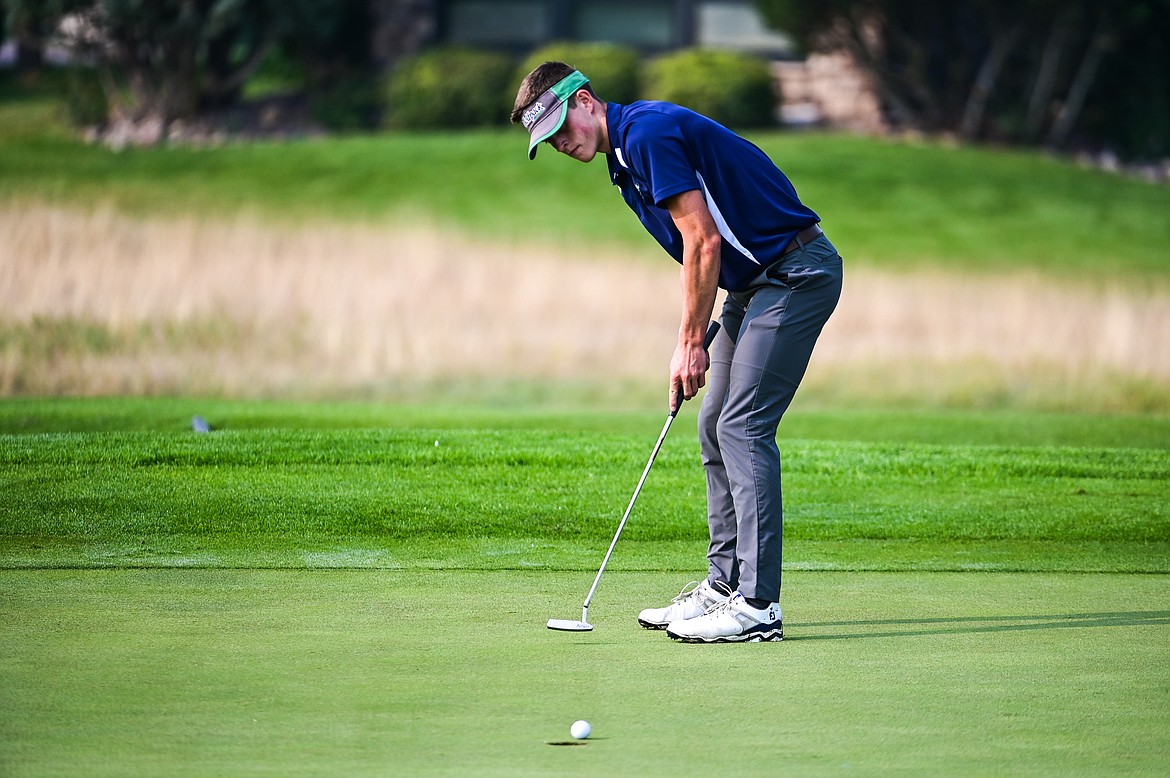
(699, 279)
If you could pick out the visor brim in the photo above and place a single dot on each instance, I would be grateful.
(546, 127)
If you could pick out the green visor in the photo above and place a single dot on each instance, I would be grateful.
(547, 113)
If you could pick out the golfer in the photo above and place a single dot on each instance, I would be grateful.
(720, 207)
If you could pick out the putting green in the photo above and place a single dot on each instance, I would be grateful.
(374, 672)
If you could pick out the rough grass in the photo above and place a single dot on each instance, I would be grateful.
(508, 494)
(97, 302)
(805, 422)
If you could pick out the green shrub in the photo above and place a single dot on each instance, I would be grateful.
(86, 104)
(351, 103)
(280, 73)
(450, 87)
(614, 71)
(733, 89)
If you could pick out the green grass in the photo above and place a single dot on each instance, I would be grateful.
(355, 673)
(23, 415)
(409, 494)
(896, 204)
(321, 590)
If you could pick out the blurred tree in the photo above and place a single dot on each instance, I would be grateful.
(1020, 70)
(1132, 111)
(30, 24)
(399, 29)
(169, 59)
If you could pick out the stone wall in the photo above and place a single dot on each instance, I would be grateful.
(828, 90)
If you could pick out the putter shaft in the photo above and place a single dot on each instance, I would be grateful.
(625, 518)
(712, 331)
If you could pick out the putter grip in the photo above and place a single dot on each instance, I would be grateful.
(712, 331)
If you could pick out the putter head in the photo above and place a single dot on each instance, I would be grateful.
(569, 625)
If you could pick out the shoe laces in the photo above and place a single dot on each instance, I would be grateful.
(688, 591)
(692, 590)
(720, 607)
(728, 606)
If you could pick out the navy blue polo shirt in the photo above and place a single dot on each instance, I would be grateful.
(661, 149)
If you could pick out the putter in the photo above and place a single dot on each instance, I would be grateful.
(568, 625)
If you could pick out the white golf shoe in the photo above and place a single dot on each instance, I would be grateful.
(694, 600)
(730, 621)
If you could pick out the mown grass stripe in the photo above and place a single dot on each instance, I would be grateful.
(251, 490)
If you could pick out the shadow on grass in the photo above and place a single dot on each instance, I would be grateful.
(961, 625)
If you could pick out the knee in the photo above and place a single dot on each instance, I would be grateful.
(709, 426)
(730, 431)
(739, 429)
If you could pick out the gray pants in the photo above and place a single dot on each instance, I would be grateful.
(757, 362)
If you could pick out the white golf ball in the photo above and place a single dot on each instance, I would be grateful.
(580, 729)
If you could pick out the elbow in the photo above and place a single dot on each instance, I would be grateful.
(710, 247)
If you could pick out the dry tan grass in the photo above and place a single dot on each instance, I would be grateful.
(93, 302)
(985, 339)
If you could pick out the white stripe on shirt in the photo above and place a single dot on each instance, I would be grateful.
(724, 230)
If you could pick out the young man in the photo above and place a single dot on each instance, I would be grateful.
(732, 219)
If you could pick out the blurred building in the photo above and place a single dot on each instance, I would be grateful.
(648, 25)
(402, 27)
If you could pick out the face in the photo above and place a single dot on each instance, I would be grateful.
(582, 134)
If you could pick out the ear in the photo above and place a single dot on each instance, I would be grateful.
(585, 99)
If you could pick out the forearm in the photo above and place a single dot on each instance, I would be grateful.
(699, 282)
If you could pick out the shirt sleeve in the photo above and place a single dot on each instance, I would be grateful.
(657, 148)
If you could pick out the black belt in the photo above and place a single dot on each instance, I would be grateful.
(802, 237)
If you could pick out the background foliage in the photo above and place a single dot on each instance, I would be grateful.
(733, 89)
(450, 87)
(1054, 72)
(1064, 74)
